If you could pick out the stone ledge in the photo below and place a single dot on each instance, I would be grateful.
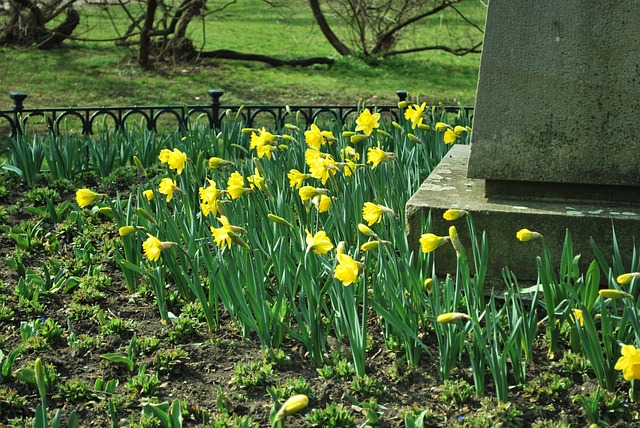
(448, 187)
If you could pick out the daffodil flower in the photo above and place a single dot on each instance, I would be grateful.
(176, 159)
(309, 192)
(367, 122)
(322, 203)
(313, 137)
(209, 198)
(414, 113)
(450, 136)
(167, 187)
(372, 213)
(629, 362)
(318, 243)
(148, 194)
(375, 156)
(152, 247)
(296, 178)
(347, 269)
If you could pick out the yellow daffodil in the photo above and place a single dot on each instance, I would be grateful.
(313, 137)
(525, 235)
(414, 113)
(367, 122)
(348, 167)
(167, 187)
(347, 269)
(209, 198)
(328, 137)
(152, 247)
(578, 317)
(257, 181)
(309, 192)
(429, 242)
(453, 214)
(349, 153)
(126, 230)
(226, 234)
(375, 156)
(176, 159)
(235, 185)
(450, 137)
(215, 162)
(311, 156)
(323, 168)
(148, 194)
(296, 178)
(262, 142)
(629, 362)
(85, 197)
(322, 203)
(450, 317)
(626, 278)
(372, 213)
(318, 243)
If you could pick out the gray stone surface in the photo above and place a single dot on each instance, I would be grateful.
(559, 93)
(448, 187)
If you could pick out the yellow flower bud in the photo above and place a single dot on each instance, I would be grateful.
(424, 127)
(370, 245)
(283, 147)
(126, 230)
(453, 214)
(145, 214)
(279, 220)
(216, 162)
(458, 130)
(626, 278)
(403, 104)
(139, 165)
(381, 132)
(248, 131)
(290, 126)
(397, 125)
(609, 293)
(348, 134)
(428, 285)
(106, 211)
(366, 230)
(441, 126)
(451, 317)
(414, 138)
(525, 235)
(293, 405)
(358, 138)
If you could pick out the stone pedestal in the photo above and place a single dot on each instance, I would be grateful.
(556, 139)
(449, 187)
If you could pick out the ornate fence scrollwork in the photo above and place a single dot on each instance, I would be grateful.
(184, 116)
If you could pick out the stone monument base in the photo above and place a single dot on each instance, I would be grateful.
(501, 217)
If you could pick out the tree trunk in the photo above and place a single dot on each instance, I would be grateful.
(145, 39)
(326, 30)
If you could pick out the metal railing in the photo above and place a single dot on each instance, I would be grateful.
(213, 114)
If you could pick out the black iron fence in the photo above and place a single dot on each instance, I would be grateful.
(182, 116)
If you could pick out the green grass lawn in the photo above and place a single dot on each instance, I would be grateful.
(89, 73)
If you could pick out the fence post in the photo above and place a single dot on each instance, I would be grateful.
(215, 95)
(18, 98)
(402, 95)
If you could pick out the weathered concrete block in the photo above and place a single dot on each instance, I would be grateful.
(558, 95)
(448, 187)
